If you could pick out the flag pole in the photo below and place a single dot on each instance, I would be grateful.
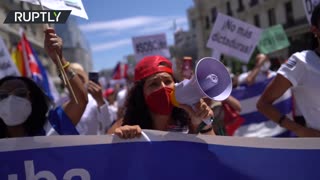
(63, 73)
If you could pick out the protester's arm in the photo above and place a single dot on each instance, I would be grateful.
(118, 123)
(96, 91)
(274, 90)
(251, 78)
(200, 112)
(74, 111)
(234, 103)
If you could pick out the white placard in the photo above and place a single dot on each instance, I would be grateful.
(309, 5)
(76, 6)
(233, 37)
(7, 67)
(150, 45)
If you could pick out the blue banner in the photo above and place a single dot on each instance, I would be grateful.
(166, 156)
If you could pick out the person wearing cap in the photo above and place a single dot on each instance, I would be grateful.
(110, 95)
(149, 106)
(96, 118)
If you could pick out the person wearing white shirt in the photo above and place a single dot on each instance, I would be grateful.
(96, 118)
(261, 72)
(110, 95)
(301, 73)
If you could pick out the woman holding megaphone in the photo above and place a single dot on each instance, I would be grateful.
(149, 104)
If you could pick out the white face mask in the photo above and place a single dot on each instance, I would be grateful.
(14, 110)
(265, 67)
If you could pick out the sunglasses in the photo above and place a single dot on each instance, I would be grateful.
(20, 92)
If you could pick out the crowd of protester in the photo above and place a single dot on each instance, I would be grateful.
(143, 102)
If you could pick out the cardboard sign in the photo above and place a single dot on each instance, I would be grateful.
(233, 37)
(150, 45)
(76, 6)
(273, 39)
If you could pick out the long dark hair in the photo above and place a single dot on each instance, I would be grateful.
(137, 111)
(40, 106)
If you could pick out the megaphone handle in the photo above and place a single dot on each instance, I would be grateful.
(207, 121)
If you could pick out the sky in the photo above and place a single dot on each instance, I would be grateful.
(112, 24)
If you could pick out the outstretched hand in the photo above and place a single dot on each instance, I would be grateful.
(128, 132)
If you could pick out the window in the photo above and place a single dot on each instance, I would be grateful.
(229, 10)
(289, 13)
(253, 2)
(240, 7)
(272, 17)
(256, 20)
(193, 24)
(213, 14)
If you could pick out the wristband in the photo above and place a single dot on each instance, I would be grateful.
(204, 123)
(206, 130)
(66, 65)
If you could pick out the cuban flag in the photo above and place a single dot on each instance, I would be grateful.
(34, 67)
(119, 74)
(120, 71)
(256, 124)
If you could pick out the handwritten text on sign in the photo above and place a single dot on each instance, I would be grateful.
(150, 45)
(234, 37)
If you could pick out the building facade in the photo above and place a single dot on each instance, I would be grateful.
(76, 48)
(261, 13)
(10, 33)
(184, 46)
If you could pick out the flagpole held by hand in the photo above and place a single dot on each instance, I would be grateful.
(60, 66)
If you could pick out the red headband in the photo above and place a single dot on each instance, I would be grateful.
(150, 65)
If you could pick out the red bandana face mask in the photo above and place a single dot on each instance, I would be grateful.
(159, 101)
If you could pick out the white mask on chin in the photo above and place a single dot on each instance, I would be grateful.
(15, 110)
(265, 67)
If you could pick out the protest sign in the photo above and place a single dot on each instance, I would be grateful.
(168, 155)
(308, 7)
(216, 54)
(233, 37)
(273, 39)
(76, 6)
(7, 67)
(150, 45)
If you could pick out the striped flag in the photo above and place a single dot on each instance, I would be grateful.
(120, 71)
(19, 57)
(29, 65)
(256, 124)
